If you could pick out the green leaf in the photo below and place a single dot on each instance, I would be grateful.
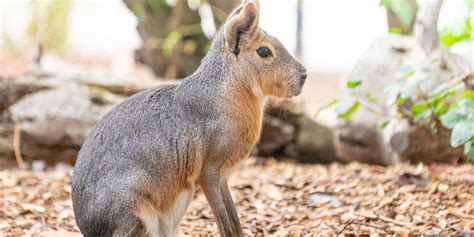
(459, 32)
(139, 11)
(439, 104)
(395, 31)
(347, 108)
(424, 115)
(327, 106)
(468, 94)
(469, 150)
(371, 99)
(440, 108)
(419, 108)
(400, 101)
(462, 133)
(353, 83)
(171, 40)
(385, 124)
(422, 111)
(452, 117)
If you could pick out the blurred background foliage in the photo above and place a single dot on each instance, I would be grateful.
(451, 103)
(401, 18)
(460, 31)
(177, 34)
(48, 24)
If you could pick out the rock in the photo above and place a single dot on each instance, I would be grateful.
(56, 112)
(38, 165)
(323, 198)
(61, 116)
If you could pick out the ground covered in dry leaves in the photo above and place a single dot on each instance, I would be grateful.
(278, 199)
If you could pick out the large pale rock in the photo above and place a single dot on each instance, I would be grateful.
(63, 115)
(56, 112)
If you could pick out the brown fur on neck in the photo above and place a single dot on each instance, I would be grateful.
(245, 105)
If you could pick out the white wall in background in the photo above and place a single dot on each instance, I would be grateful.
(335, 33)
(96, 27)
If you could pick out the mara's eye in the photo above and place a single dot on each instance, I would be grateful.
(264, 52)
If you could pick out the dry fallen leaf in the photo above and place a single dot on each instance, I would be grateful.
(277, 199)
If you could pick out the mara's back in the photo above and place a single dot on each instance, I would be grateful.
(149, 140)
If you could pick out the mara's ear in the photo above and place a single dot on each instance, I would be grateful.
(242, 26)
(257, 3)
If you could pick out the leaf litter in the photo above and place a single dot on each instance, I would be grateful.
(278, 199)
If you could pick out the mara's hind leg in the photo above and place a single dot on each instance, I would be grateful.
(166, 224)
(179, 208)
(130, 226)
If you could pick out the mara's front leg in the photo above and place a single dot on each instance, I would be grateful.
(230, 207)
(210, 184)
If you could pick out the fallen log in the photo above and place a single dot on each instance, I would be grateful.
(288, 133)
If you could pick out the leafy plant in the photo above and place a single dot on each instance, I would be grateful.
(460, 32)
(450, 104)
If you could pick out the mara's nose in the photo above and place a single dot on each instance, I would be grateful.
(304, 75)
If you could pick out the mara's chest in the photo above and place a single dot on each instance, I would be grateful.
(246, 114)
(248, 133)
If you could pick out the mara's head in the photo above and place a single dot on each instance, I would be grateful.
(252, 51)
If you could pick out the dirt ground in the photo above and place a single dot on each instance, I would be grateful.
(278, 199)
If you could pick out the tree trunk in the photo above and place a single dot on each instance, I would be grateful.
(426, 31)
(173, 38)
(395, 20)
